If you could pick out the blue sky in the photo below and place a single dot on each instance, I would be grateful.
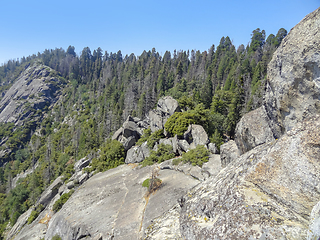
(29, 27)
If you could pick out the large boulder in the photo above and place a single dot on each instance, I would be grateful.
(184, 145)
(137, 154)
(166, 107)
(253, 130)
(82, 163)
(157, 120)
(129, 142)
(213, 148)
(134, 155)
(117, 134)
(196, 135)
(173, 141)
(130, 129)
(228, 152)
(130, 132)
(266, 193)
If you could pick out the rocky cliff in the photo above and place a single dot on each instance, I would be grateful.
(37, 87)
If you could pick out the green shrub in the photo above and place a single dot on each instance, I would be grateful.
(155, 137)
(176, 161)
(56, 237)
(35, 213)
(144, 137)
(196, 156)
(217, 139)
(68, 172)
(62, 200)
(179, 122)
(146, 183)
(163, 153)
(111, 156)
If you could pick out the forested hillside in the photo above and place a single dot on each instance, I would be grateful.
(103, 89)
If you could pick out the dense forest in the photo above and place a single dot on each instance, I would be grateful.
(103, 89)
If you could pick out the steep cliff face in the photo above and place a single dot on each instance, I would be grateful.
(292, 90)
(37, 87)
(293, 84)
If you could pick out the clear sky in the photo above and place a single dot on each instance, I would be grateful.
(29, 27)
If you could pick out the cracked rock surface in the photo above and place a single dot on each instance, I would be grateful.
(114, 204)
(267, 193)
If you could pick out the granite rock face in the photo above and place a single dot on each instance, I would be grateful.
(135, 155)
(267, 193)
(36, 88)
(50, 192)
(165, 108)
(228, 152)
(168, 105)
(293, 79)
(292, 89)
(253, 130)
(114, 205)
(196, 135)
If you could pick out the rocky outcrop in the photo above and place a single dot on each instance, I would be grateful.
(293, 79)
(117, 201)
(50, 192)
(168, 105)
(208, 169)
(271, 190)
(36, 88)
(196, 135)
(165, 108)
(253, 130)
(82, 163)
(292, 89)
(228, 152)
(130, 132)
(267, 193)
(132, 129)
(137, 154)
